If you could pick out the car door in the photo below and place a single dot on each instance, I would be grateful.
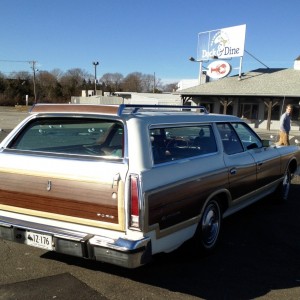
(267, 159)
(240, 164)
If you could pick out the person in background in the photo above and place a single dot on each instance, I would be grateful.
(285, 127)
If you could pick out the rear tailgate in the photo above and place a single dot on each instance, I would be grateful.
(76, 190)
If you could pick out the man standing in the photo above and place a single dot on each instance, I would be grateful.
(285, 127)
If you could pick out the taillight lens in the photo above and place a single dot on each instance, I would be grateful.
(134, 202)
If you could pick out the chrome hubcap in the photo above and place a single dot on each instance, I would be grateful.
(286, 185)
(210, 225)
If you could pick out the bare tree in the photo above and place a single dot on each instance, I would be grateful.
(2, 83)
(72, 82)
(170, 87)
(47, 87)
(15, 87)
(148, 83)
(112, 81)
(57, 73)
(138, 82)
(57, 86)
(133, 83)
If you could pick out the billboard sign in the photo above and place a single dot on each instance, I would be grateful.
(218, 69)
(222, 43)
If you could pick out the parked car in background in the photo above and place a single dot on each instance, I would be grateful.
(119, 184)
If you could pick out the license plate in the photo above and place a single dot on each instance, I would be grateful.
(38, 240)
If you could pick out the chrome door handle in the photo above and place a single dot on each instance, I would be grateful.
(233, 171)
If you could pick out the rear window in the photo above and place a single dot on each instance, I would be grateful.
(174, 143)
(79, 136)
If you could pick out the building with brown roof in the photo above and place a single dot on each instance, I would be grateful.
(259, 95)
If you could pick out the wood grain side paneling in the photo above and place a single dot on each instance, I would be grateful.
(82, 199)
(65, 207)
(178, 203)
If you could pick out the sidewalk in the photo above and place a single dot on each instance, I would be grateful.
(273, 135)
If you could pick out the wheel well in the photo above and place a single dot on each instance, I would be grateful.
(222, 199)
(292, 166)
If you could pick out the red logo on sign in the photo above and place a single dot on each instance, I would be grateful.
(218, 69)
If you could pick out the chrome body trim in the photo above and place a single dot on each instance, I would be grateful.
(122, 252)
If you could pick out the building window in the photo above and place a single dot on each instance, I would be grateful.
(275, 113)
(229, 109)
(249, 111)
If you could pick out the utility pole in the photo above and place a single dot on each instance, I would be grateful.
(34, 88)
(95, 63)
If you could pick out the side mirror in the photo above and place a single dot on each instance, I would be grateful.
(252, 146)
(266, 143)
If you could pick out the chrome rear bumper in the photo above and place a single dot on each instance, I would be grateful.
(121, 252)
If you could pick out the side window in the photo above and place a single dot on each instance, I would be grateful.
(80, 136)
(247, 136)
(230, 140)
(174, 143)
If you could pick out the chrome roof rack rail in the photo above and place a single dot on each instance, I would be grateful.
(118, 110)
(134, 108)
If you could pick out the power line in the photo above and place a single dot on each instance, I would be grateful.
(17, 61)
(32, 62)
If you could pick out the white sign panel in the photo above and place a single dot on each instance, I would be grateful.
(222, 43)
(218, 69)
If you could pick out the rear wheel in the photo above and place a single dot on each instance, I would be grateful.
(208, 231)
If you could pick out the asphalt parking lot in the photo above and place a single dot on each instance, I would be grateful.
(258, 258)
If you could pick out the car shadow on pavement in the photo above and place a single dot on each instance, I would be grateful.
(61, 286)
(259, 253)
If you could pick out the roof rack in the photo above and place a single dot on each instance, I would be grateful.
(134, 108)
(118, 110)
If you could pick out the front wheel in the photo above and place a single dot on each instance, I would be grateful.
(208, 231)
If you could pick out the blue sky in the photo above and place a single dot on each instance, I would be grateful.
(147, 36)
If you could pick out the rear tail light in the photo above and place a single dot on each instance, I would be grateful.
(134, 202)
